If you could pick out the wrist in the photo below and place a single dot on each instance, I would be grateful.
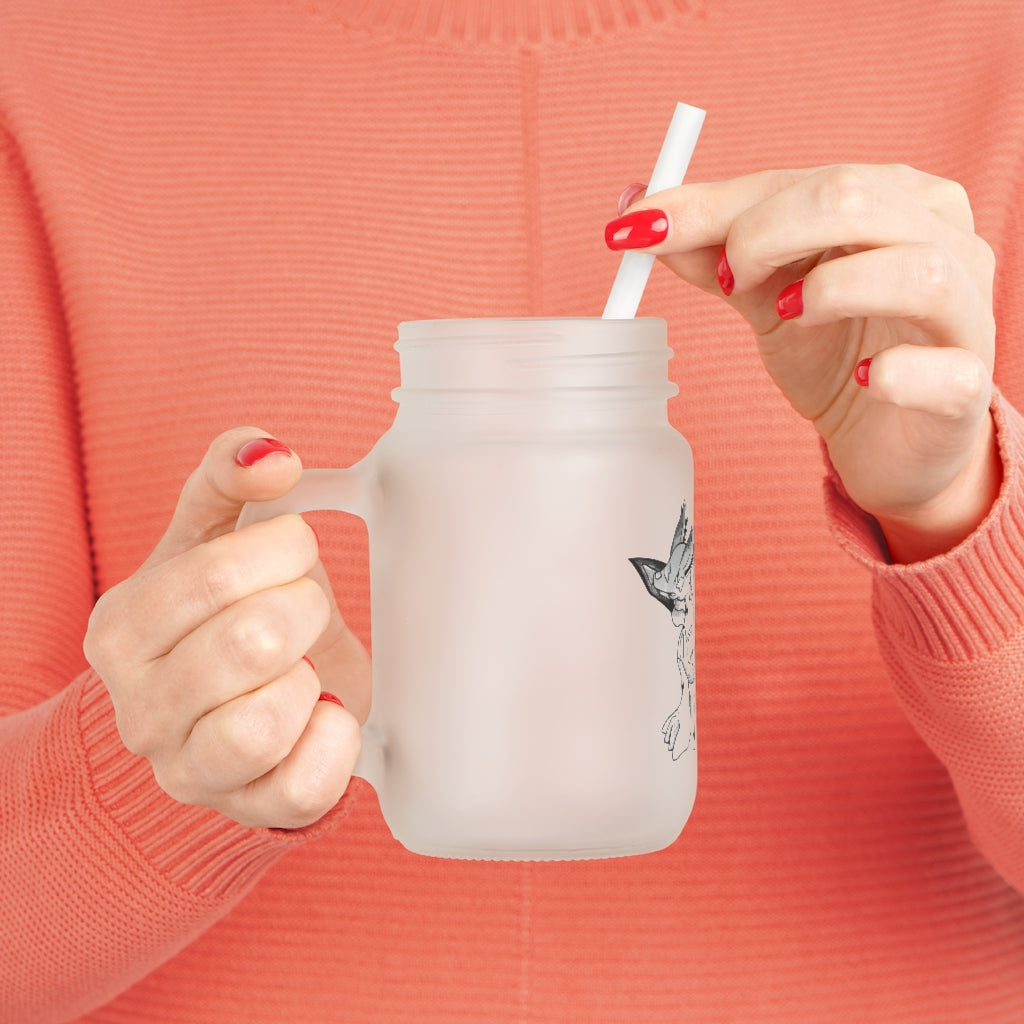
(949, 518)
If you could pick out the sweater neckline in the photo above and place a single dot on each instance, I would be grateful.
(521, 22)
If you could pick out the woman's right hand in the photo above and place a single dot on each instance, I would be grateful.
(871, 299)
(203, 650)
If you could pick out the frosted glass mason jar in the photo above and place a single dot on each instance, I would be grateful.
(530, 700)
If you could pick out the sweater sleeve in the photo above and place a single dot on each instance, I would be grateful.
(951, 630)
(102, 876)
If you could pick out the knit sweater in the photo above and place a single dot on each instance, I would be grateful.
(214, 214)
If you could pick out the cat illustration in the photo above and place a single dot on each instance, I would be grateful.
(671, 583)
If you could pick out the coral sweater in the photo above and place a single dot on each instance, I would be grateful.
(214, 213)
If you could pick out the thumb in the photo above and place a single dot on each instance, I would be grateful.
(241, 465)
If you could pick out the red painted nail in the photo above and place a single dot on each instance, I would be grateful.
(724, 274)
(252, 451)
(331, 698)
(861, 373)
(637, 230)
(629, 195)
(790, 303)
(309, 663)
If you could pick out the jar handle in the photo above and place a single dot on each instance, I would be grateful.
(340, 490)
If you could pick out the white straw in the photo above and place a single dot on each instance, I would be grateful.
(674, 158)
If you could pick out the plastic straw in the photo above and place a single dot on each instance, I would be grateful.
(674, 158)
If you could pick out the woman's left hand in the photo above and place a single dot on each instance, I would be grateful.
(870, 297)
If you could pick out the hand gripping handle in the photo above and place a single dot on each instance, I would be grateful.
(341, 490)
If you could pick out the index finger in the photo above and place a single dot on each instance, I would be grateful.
(701, 214)
(171, 599)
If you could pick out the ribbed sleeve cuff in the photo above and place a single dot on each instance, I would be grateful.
(196, 849)
(963, 604)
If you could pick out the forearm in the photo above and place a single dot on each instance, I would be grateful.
(105, 876)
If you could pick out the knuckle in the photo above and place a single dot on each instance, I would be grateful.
(753, 246)
(700, 216)
(96, 643)
(953, 195)
(903, 173)
(985, 257)
(254, 733)
(255, 641)
(263, 634)
(848, 194)
(327, 759)
(316, 607)
(830, 296)
(971, 382)
(950, 201)
(310, 795)
(104, 642)
(142, 729)
(956, 382)
(293, 537)
(178, 783)
(221, 581)
(135, 732)
(778, 180)
(931, 271)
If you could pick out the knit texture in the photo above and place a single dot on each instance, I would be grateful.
(215, 214)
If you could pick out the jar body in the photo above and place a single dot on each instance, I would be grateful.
(523, 675)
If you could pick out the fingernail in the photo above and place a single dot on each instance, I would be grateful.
(331, 698)
(629, 194)
(637, 230)
(861, 373)
(309, 663)
(724, 274)
(790, 303)
(252, 451)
